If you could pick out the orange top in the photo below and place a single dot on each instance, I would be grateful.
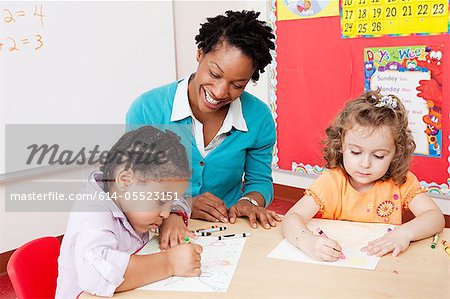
(382, 203)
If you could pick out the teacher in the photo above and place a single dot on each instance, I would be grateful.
(233, 131)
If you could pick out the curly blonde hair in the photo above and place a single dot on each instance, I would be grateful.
(365, 111)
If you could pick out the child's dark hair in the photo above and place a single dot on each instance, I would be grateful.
(372, 110)
(150, 153)
(240, 29)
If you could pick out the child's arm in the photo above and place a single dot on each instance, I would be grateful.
(173, 230)
(102, 269)
(428, 221)
(182, 260)
(296, 232)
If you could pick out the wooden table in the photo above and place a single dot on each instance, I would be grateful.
(420, 272)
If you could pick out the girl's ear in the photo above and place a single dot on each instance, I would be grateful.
(124, 178)
(199, 55)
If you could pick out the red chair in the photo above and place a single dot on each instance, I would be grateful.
(33, 268)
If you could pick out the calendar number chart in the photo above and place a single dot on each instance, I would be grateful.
(371, 18)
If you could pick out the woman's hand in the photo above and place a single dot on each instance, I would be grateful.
(173, 231)
(395, 241)
(244, 208)
(208, 207)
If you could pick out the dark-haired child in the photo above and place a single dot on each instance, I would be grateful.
(368, 152)
(144, 173)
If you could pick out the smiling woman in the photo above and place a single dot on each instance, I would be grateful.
(233, 132)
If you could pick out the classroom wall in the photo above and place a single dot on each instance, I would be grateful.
(189, 15)
(90, 51)
(17, 228)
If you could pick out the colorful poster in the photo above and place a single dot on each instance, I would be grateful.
(371, 18)
(414, 75)
(302, 9)
(311, 80)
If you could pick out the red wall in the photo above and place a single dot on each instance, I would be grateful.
(318, 71)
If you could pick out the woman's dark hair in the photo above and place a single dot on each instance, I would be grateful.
(150, 153)
(240, 29)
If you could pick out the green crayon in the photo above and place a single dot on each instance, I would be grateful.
(435, 240)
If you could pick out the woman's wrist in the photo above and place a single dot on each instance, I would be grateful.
(248, 199)
(254, 197)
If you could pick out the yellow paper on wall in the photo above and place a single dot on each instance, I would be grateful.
(305, 9)
(371, 18)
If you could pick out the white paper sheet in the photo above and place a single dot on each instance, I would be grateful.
(352, 236)
(219, 261)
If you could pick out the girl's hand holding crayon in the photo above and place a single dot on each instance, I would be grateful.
(184, 259)
(173, 231)
(319, 248)
(395, 241)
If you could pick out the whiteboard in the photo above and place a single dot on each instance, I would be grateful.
(80, 62)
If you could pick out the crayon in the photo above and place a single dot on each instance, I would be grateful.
(446, 246)
(201, 229)
(321, 233)
(202, 234)
(435, 240)
(234, 236)
(211, 230)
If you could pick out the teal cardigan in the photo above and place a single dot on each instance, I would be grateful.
(220, 172)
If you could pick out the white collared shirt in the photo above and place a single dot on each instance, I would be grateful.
(181, 109)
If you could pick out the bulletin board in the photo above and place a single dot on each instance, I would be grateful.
(317, 71)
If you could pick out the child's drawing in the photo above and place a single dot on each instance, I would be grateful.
(352, 236)
(219, 261)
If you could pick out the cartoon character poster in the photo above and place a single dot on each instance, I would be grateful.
(414, 74)
(301, 9)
